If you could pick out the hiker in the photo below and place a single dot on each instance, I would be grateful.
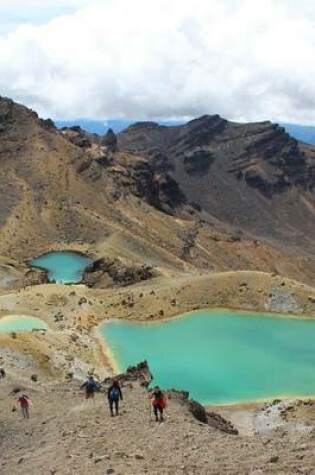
(25, 403)
(114, 394)
(158, 401)
(2, 373)
(90, 388)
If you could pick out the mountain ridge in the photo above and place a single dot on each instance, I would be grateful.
(218, 164)
(303, 133)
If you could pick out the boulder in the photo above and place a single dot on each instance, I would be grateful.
(110, 140)
(198, 411)
(108, 272)
(140, 373)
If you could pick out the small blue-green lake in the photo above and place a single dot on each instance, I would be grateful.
(21, 323)
(63, 267)
(221, 356)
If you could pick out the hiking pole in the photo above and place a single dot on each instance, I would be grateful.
(150, 411)
(150, 408)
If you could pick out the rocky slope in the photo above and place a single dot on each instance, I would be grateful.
(254, 176)
(53, 190)
(67, 435)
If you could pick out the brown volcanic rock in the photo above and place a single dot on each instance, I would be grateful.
(106, 272)
(198, 161)
(163, 143)
(124, 173)
(110, 140)
(199, 412)
(139, 373)
(77, 136)
(253, 176)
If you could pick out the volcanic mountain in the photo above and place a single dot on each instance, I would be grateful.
(252, 176)
(208, 195)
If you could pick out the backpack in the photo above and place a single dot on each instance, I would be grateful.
(114, 393)
(90, 387)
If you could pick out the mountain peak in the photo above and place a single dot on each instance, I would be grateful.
(230, 169)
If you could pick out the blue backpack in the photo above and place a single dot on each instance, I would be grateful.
(114, 393)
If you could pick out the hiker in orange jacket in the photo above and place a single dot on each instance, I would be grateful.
(158, 401)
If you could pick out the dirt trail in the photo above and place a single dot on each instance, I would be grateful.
(66, 435)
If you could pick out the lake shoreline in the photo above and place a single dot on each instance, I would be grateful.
(106, 355)
(7, 319)
(110, 361)
(241, 403)
(69, 272)
(236, 310)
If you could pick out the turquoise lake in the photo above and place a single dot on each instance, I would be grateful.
(63, 267)
(221, 356)
(21, 323)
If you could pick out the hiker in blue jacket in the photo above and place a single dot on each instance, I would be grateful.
(90, 388)
(114, 395)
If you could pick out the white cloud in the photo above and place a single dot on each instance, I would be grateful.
(119, 58)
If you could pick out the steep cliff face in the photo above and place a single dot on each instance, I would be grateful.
(121, 174)
(250, 175)
(277, 158)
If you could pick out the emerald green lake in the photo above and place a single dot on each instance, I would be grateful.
(221, 356)
(63, 267)
(21, 323)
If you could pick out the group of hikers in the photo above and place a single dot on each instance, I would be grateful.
(114, 395)
(158, 399)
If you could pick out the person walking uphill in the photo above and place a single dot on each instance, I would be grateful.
(25, 403)
(158, 401)
(114, 394)
(90, 388)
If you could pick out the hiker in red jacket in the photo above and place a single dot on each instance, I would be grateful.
(158, 401)
(25, 403)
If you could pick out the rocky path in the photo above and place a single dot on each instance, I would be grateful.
(66, 435)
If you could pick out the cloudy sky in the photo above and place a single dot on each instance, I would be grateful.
(244, 59)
